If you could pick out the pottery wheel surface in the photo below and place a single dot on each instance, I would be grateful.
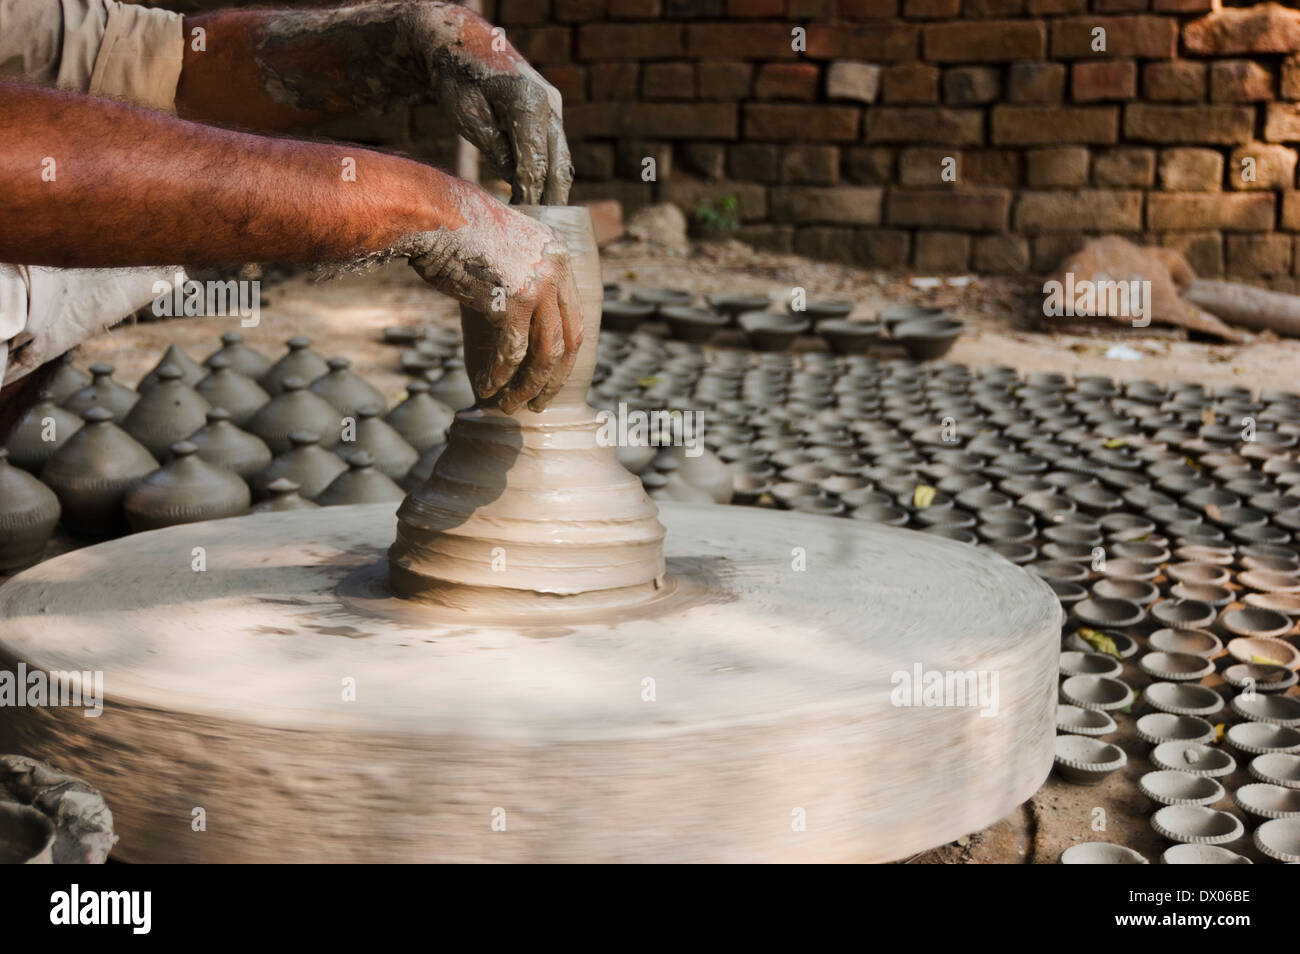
(744, 715)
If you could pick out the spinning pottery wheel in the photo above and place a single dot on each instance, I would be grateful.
(533, 671)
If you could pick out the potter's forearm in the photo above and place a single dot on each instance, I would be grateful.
(84, 182)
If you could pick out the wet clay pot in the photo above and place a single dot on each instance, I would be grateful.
(92, 473)
(191, 371)
(168, 412)
(243, 359)
(28, 512)
(66, 381)
(296, 409)
(423, 469)
(361, 484)
(420, 419)
(707, 471)
(222, 444)
(299, 362)
(40, 432)
(188, 489)
(226, 388)
(346, 390)
(103, 391)
(392, 456)
(306, 463)
(283, 495)
(452, 388)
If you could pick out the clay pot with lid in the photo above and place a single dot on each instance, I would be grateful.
(66, 381)
(28, 445)
(296, 409)
(451, 387)
(225, 387)
(242, 359)
(361, 483)
(92, 473)
(28, 512)
(423, 468)
(168, 412)
(306, 463)
(346, 390)
(191, 371)
(186, 490)
(392, 455)
(103, 391)
(283, 495)
(222, 444)
(420, 419)
(298, 362)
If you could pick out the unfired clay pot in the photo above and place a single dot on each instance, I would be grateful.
(345, 390)
(243, 359)
(226, 388)
(28, 512)
(706, 471)
(299, 362)
(92, 472)
(222, 444)
(188, 489)
(423, 468)
(392, 456)
(103, 391)
(452, 388)
(306, 463)
(191, 371)
(296, 409)
(168, 412)
(66, 381)
(28, 445)
(421, 420)
(283, 495)
(360, 484)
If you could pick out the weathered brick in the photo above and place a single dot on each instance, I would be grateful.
(636, 9)
(512, 13)
(993, 8)
(592, 121)
(1182, 6)
(1191, 170)
(991, 167)
(887, 43)
(787, 81)
(629, 41)
(853, 80)
(754, 162)
(611, 81)
(985, 41)
(1144, 37)
(1055, 7)
(826, 243)
(960, 209)
(1224, 125)
(1000, 254)
(1261, 165)
(1048, 125)
(708, 160)
(1036, 82)
(570, 80)
(941, 253)
(690, 193)
(773, 121)
(869, 165)
(1120, 6)
(810, 165)
(1124, 167)
(632, 195)
(1049, 249)
(593, 160)
(724, 79)
(578, 11)
(1175, 81)
(679, 120)
(1239, 81)
(769, 238)
(867, 9)
(630, 157)
(1093, 210)
(1262, 28)
(1227, 211)
(1252, 256)
(923, 166)
(694, 9)
(668, 81)
(1282, 122)
(755, 9)
(1057, 167)
(1103, 80)
(838, 205)
(957, 127)
(910, 83)
(1291, 211)
(746, 41)
(970, 85)
(1203, 250)
(541, 46)
(883, 248)
(1291, 77)
(931, 9)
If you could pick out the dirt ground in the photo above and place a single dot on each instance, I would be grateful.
(346, 316)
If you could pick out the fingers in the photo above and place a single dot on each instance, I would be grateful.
(527, 119)
(559, 177)
(511, 348)
(475, 121)
(545, 349)
(570, 308)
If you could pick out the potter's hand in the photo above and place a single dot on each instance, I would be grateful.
(514, 272)
(497, 101)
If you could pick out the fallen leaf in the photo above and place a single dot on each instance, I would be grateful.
(1099, 641)
(922, 496)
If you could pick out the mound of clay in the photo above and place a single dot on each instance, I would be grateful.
(83, 825)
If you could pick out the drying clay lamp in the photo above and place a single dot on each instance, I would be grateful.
(523, 666)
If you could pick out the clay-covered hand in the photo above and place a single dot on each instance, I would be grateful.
(498, 102)
(513, 271)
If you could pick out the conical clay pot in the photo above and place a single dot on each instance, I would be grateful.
(360, 484)
(299, 362)
(222, 444)
(347, 391)
(283, 495)
(40, 432)
(393, 457)
(168, 412)
(92, 473)
(191, 371)
(452, 388)
(423, 469)
(103, 391)
(421, 420)
(296, 409)
(226, 388)
(306, 463)
(28, 512)
(188, 489)
(243, 359)
(66, 381)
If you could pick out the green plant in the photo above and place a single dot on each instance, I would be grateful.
(720, 215)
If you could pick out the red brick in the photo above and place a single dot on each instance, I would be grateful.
(570, 80)
(1203, 250)
(705, 159)
(1282, 122)
(1228, 211)
(679, 120)
(1225, 125)
(606, 220)
(1251, 256)
(962, 209)
(629, 41)
(592, 121)
(1036, 82)
(970, 85)
(942, 253)
(1273, 166)
(755, 9)
(772, 121)
(1182, 6)
(1124, 167)
(931, 9)
(1176, 81)
(1291, 77)
(693, 9)
(1107, 79)
(887, 43)
(838, 205)
(985, 41)
(690, 194)
(957, 127)
(826, 243)
(631, 195)
(1055, 7)
(724, 79)
(867, 9)
(630, 157)
(873, 165)
(635, 9)
(668, 81)
(612, 81)
(910, 83)
(593, 160)
(745, 41)
(541, 46)
(1120, 6)
(993, 8)
(1144, 37)
(810, 165)
(512, 13)
(787, 81)
(754, 162)
(1191, 170)
(1263, 28)
(1001, 254)
(1057, 167)
(1049, 125)
(923, 167)
(578, 11)
(1239, 81)
(1091, 210)
(1291, 211)
(883, 248)
(992, 167)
